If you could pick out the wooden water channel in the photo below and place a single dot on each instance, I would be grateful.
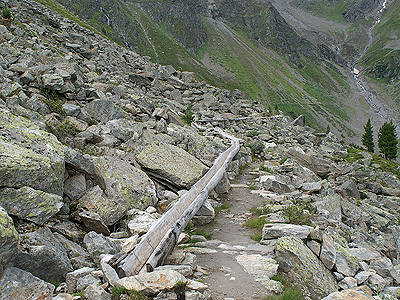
(161, 239)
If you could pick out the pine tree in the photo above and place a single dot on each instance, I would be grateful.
(368, 137)
(387, 140)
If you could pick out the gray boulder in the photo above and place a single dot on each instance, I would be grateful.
(52, 81)
(30, 204)
(124, 129)
(348, 295)
(78, 256)
(171, 165)
(318, 165)
(8, 240)
(75, 186)
(328, 252)
(16, 284)
(204, 149)
(121, 181)
(97, 203)
(97, 244)
(350, 190)
(71, 279)
(332, 204)
(103, 110)
(346, 262)
(304, 267)
(205, 214)
(94, 292)
(274, 231)
(42, 254)
(382, 265)
(153, 282)
(41, 166)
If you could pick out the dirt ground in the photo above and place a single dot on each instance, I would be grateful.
(227, 279)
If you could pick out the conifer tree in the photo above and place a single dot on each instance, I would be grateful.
(387, 140)
(368, 137)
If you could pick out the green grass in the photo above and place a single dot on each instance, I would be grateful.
(67, 14)
(322, 9)
(354, 154)
(201, 232)
(290, 292)
(386, 165)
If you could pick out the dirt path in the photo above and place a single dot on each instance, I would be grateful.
(227, 278)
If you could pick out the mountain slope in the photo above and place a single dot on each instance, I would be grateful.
(290, 56)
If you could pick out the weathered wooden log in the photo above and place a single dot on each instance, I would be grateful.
(160, 240)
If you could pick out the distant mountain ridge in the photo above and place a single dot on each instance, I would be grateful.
(228, 44)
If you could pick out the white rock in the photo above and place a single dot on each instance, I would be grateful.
(141, 223)
(273, 231)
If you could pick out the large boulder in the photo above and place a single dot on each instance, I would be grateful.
(201, 147)
(96, 202)
(274, 231)
(17, 284)
(30, 204)
(262, 268)
(98, 244)
(348, 295)
(29, 156)
(304, 267)
(346, 262)
(8, 240)
(42, 254)
(103, 110)
(121, 181)
(171, 165)
(318, 165)
(332, 204)
(152, 283)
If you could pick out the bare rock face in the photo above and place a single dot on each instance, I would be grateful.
(30, 204)
(304, 267)
(171, 164)
(42, 254)
(8, 240)
(17, 284)
(39, 165)
(131, 187)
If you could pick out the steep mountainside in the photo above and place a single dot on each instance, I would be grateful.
(297, 55)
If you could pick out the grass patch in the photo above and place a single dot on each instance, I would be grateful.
(265, 169)
(67, 14)
(300, 213)
(201, 232)
(290, 292)
(386, 165)
(118, 291)
(222, 207)
(354, 154)
(257, 223)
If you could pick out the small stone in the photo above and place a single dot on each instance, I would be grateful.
(348, 283)
(72, 278)
(94, 292)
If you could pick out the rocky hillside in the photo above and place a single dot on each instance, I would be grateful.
(93, 150)
(276, 61)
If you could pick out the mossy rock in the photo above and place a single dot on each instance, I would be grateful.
(29, 156)
(171, 164)
(30, 204)
(304, 267)
(8, 240)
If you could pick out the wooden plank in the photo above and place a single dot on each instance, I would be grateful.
(160, 240)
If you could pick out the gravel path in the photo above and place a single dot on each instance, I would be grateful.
(227, 278)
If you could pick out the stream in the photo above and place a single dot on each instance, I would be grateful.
(380, 111)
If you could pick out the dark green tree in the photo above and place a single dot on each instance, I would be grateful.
(368, 137)
(387, 140)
